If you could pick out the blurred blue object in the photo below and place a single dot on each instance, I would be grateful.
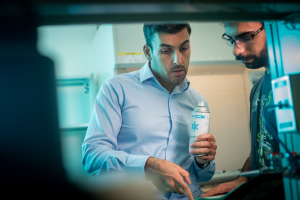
(30, 146)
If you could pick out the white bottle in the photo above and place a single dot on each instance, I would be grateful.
(200, 123)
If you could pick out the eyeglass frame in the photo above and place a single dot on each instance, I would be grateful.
(250, 36)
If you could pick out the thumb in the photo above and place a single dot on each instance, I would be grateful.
(210, 192)
(185, 175)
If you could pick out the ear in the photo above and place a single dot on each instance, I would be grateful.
(147, 52)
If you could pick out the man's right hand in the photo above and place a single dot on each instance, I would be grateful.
(168, 177)
(224, 187)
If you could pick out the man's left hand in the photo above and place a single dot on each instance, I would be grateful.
(205, 144)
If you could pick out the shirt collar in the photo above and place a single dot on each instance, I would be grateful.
(184, 85)
(146, 73)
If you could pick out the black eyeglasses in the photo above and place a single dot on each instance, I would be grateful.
(243, 41)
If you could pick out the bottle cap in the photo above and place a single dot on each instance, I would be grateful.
(201, 103)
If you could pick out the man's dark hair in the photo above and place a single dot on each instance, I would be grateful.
(230, 23)
(150, 29)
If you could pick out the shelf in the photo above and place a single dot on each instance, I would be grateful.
(75, 127)
(222, 177)
(192, 63)
(91, 11)
(72, 81)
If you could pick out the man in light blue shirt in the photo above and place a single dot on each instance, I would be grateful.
(141, 120)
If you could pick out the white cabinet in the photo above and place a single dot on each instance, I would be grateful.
(206, 43)
(69, 47)
(75, 98)
(129, 41)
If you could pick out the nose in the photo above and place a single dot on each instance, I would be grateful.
(237, 50)
(177, 58)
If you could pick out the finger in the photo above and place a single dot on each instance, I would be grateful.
(210, 152)
(178, 189)
(200, 151)
(201, 144)
(209, 193)
(185, 175)
(161, 187)
(212, 192)
(205, 136)
(215, 146)
(209, 157)
(186, 190)
(171, 186)
(213, 152)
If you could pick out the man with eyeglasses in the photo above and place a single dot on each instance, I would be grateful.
(248, 43)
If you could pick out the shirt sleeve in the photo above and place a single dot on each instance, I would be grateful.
(205, 174)
(100, 148)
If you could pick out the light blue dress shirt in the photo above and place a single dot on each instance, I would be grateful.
(134, 117)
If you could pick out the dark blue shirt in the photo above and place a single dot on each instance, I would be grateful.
(263, 143)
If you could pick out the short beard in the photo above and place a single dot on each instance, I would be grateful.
(163, 75)
(258, 62)
(174, 80)
(178, 80)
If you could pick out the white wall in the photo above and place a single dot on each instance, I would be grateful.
(103, 54)
(225, 91)
(207, 44)
(69, 47)
(77, 51)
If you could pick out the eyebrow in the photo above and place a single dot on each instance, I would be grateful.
(243, 34)
(170, 46)
(240, 35)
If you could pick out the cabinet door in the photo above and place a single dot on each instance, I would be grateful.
(129, 41)
(207, 44)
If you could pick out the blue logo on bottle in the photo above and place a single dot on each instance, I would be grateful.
(200, 116)
(195, 126)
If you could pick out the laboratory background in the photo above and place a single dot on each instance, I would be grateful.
(86, 53)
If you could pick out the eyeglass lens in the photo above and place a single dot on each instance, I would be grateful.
(241, 43)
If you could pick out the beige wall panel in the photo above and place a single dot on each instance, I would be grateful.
(226, 96)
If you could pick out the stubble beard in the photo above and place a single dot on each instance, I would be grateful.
(164, 75)
(257, 61)
(176, 80)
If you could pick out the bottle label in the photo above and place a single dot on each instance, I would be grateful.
(200, 125)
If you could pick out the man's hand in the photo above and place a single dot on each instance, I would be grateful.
(168, 177)
(224, 187)
(205, 143)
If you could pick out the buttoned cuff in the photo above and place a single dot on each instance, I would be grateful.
(136, 164)
(205, 174)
